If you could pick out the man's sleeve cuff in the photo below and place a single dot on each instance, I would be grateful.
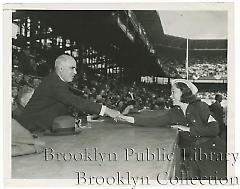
(103, 109)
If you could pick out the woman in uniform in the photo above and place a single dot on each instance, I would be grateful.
(198, 130)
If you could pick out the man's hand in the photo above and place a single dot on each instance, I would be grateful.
(121, 117)
(112, 113)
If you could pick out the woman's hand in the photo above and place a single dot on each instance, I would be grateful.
(181, 127)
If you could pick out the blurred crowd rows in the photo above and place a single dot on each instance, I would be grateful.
(104, 91)
(109, 92)
(211, 67)
(214, 67)
(28, 71)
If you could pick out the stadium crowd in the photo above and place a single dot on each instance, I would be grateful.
(104, 91)
(27, 74)
(207, 67)
(199, 66)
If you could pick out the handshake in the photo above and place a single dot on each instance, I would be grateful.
(117, 116)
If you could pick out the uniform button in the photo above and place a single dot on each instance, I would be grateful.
(214, 144)
(194, 121)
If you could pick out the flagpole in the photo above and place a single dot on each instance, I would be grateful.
(187, 59)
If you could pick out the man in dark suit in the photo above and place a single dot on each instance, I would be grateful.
(52, 98)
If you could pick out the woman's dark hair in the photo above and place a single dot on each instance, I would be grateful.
(187, 95)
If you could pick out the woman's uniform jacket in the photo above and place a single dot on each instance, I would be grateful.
(50, 100)
(203, 135)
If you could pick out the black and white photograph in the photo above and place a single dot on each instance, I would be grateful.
(121, 96)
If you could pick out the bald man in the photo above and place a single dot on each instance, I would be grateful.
(52, 98)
